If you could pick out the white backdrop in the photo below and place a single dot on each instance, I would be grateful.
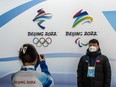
(63, 53)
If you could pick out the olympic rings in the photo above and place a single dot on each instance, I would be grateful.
(42, 41)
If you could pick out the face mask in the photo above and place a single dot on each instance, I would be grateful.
(92, 49)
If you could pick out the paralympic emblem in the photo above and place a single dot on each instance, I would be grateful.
(45, 42)
(41, 17)
(81, 17)
(80, 44)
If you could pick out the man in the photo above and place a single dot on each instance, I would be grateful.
(94, 68)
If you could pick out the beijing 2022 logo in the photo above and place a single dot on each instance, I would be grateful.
(81, 17)
(41, 17)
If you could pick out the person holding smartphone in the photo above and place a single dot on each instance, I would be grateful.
(28, 76)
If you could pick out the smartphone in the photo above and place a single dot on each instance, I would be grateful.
(42, 56)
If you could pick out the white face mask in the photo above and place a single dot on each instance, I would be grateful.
(92, 49)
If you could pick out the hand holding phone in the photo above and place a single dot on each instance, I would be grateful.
(42, 58)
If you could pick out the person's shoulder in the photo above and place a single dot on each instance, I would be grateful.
(45, 79)
(83, 57)
(14, 74)
(104, 57)
(42, 76)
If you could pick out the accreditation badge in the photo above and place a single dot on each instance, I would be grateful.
(91, 71)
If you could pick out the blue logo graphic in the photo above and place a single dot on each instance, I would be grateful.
(41, 17)
(11, 14)
(111, 15)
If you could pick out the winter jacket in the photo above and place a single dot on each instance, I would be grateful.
(29, 77)
(102, 70)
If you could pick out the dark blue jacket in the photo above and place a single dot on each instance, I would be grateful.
(102, 71)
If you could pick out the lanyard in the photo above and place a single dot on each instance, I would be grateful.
(94, 62)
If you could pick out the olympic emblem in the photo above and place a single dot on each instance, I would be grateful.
(41, 17)
(80, 44)
(42, 41)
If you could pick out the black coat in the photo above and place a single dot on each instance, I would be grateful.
(102, 71)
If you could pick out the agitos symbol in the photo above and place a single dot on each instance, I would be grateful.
(81, 17)
(80, 44)
(42, 41)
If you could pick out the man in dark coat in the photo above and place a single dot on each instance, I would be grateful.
(94, 68)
